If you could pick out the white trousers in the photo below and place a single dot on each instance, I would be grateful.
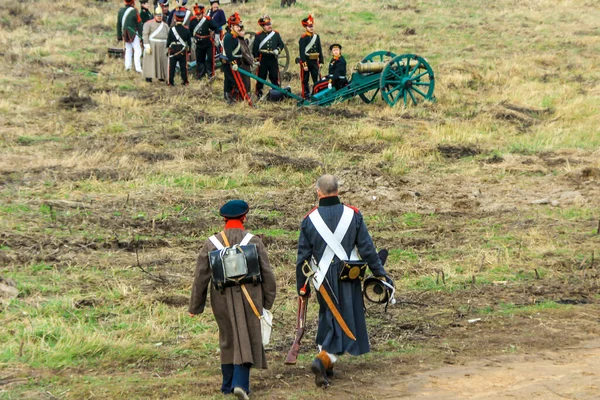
(136, 48)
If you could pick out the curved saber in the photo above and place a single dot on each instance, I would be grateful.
(309, 273)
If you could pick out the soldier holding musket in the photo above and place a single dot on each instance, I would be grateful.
(179, 43)
(238, 294)
(311, 55)
(267, 46)
(202, 28)
(332, 236)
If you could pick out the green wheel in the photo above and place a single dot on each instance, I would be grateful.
(407, 77)
(378, 56)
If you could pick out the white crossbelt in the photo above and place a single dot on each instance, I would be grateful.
(197, 28)
(125, 17)
(187, 17)
(265, 40)
(310, 44)
(179, 39)
(220, 246)
(334, 242)
(157, 31)
(237, 52)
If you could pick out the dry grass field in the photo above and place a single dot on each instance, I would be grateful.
(488, 199)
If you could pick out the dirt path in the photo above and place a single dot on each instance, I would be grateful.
(572, 373)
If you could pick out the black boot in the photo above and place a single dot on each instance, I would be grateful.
(320, 372)
(228, 98)
(149, 80)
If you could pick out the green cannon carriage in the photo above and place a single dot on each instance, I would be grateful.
(406, 77)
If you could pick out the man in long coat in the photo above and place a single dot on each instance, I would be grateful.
(129, 30)
(155, 34)
(345, 294)
(240, 339)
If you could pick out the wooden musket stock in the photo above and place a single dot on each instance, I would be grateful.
(300, 328)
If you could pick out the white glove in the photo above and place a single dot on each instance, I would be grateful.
(276, 52)
(234, 67)
(329, 85)
(147, 49)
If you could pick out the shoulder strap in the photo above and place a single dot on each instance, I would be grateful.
(187, 17)
(244, 242)
(220, 246)
(156, 32)
(197, 28)
(310, 44)
(246, 239)
(333, 240)
(179, 39)
(125, 14)
(265, 40)
(250, 301)
(237, 52)
(216, 242)
(225, 240)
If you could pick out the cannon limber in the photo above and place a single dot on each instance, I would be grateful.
(406, 77)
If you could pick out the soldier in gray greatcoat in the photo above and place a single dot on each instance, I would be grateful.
(155, 33)
(240, 338)
(346, 293)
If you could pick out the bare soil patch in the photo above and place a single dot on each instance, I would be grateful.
(266, 160)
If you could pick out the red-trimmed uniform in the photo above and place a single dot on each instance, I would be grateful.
(349, 293)
(267, 47)
(311, 55)
(179, 43)
(129, 30)
(202, 28)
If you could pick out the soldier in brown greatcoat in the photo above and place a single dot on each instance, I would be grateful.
(240, 339)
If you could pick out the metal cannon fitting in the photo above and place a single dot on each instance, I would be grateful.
(370, 67)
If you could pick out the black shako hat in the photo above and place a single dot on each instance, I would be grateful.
(179, 15)
(335, 45)
(234, 209)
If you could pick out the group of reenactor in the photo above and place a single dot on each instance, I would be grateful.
(169, 36)
(332, 237)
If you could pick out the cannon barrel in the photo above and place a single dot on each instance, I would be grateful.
(370, 67)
